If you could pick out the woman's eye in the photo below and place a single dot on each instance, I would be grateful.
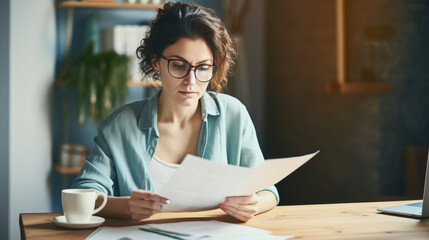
(203, 68)
(179, 65)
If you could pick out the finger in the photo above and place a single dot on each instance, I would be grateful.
(139, 212)
(242, 216)
(251, 199)
(140, 216)
(248, 208)
(150, 205)
(243, 203)
(147, 204)
(145, 211)
(148, 195)
(243, 210)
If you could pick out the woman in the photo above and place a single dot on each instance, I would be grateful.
(139, 146)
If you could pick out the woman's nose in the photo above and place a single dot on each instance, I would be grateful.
(191, 79)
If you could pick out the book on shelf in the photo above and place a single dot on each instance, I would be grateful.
(124, 39)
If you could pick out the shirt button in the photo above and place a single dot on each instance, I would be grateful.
(151, 151)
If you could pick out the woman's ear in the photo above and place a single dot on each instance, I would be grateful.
(155, 63)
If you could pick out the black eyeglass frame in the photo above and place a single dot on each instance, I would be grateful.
(195, 67)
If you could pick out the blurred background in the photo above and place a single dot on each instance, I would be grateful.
(346, 77)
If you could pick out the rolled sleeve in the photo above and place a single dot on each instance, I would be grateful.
(98, 171)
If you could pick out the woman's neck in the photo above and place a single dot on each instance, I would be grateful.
(168, 111)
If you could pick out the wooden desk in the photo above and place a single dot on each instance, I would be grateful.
(324, 221)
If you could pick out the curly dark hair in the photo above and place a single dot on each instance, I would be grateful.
(188, 20)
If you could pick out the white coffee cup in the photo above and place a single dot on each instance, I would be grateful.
(79, 204)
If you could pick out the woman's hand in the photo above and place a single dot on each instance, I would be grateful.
(243, 208)
(143, 204)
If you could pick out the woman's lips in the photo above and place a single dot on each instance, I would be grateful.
(188, 93)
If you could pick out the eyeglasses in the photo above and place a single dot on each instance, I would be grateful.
(180, 68)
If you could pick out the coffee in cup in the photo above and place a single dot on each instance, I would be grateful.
(79, 204)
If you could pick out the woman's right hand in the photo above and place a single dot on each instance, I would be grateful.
(143, 204)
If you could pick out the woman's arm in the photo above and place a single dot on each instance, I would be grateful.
(267, 201)
(116, 207)
(140, 205)
(246, 207)
(143, 204)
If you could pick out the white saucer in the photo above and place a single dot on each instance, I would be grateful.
(94, 221)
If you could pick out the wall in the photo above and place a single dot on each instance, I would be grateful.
(401, 58)
(302, 117)
(4, 118)
(254, 36)
(248, 81)
(361, 137)
(32, 59)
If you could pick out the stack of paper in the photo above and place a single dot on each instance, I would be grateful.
(191, 230)
(200, 184)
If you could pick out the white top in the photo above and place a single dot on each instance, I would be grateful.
(161, 171)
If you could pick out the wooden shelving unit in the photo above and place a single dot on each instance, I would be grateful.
(114, 5)
(71, 6)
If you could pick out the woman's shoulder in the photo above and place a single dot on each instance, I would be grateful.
(225, 99)
(227, 102)
(126, 114)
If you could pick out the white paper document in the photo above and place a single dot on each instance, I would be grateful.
(200, 184)
(187, 230)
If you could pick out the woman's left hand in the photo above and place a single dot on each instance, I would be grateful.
(243, 208)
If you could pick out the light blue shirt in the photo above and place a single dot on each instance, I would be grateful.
(126, 141)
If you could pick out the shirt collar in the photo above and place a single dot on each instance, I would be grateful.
(149, 113)
(208, 105)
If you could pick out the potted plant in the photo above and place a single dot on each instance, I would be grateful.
(100, 81)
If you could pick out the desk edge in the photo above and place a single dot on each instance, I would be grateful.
(21, 227)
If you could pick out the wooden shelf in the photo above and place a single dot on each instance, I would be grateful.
(114, 5)
(359, 87)
(341, 86)
(67, 170)
(145, 83)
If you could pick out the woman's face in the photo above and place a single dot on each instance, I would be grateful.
(188, 90)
